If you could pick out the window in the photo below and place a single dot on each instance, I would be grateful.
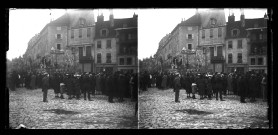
(58, 28)
(72, 33)
(99, 44)
(219, 32)
(239, 44)
(58, 46)
(88, 51)
(189, 46)
(108, 58)
(122, 61)
(230, 58)
(253, 61)
(211, 33)
(212, 21)
(189, 36)
(260, 61)
(239, 58)
(80, 51)
(124, 25)
(80, 33)
(129, 61)
(59, 36)
(104, 32)
(235, 32)
(255, 25)
(108, 44)
(230, 44)
(88, 32)
(99, 58)
(189, 28)
(203, 34)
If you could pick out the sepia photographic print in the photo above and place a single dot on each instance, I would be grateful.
(155, 68)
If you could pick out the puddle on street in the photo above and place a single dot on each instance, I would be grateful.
(194, 112)
(61, 111)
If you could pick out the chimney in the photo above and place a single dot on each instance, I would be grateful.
(100, 18)
(111, 18)
(242, 18)
(231, 18)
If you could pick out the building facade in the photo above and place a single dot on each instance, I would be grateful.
(81, 33)
(116, 44)
(212, 39)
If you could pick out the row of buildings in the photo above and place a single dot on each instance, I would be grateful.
(75, 39)
(207, 42)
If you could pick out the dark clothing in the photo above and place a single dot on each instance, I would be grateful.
(76, 88)
(86, 86)
(56, 84)
(219, 87)
(201, 85)
(177, 87)
(242, 88)
(45, 86)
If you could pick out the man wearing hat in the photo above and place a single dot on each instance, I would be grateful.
(177, 86)
(45, 86)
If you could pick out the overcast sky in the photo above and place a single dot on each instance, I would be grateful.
(153, 25)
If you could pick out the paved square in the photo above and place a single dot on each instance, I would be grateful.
(26, 107)
(157, 109)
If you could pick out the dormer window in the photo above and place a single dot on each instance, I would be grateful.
(235, 32)
(82, 21)
(104, 32)
(212, 21)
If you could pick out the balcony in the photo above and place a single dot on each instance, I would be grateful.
(85, 59)
(217, 59)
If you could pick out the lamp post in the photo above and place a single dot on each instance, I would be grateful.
(187, 52)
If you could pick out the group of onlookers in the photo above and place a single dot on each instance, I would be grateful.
(246, 85)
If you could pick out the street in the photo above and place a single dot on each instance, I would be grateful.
(26, 107)
(157, 109)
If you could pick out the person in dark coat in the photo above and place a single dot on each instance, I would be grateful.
(252, 87)
(121, 87)
(187, 85)
(56, 85)
(177, 86)
(209, 88)
(93, 83)
(234, 83)
(86, 86)
(76, 87)
(109, 86)
(201, 85)
(242, 88)
(69, 85)
(45, 86)
(219, 86)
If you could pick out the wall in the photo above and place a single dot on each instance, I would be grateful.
(235, 50)
(104, 50)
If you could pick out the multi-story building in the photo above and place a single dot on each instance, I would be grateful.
(246, 42)
(53, 35)
(81, 33)
(257, 34)
(116, 44)
(74, 30)
(184, 35)
(212, 39)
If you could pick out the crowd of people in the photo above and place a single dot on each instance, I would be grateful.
(249, 85)
(119, 85)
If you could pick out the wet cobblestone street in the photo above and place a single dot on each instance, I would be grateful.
(26, 107)
(158, 110)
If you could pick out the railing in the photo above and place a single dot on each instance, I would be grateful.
(85, 58)
(216, 59)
